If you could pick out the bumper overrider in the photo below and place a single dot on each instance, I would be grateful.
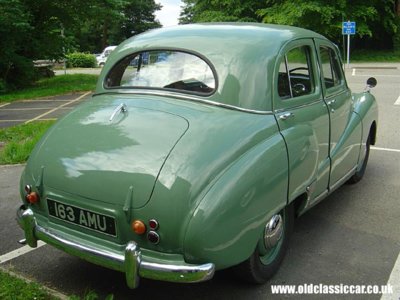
(131, 261)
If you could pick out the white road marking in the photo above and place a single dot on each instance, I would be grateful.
(5, 121)
(385, 149)
(27, 109)
(397, 101)
(377, 75)
(18, 252)
(43, 100)
(56, 108)
(354, 72)
(394, 281)
(23, 120)
(5, 104)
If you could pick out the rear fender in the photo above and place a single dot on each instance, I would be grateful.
(228, 222)
(366, 107)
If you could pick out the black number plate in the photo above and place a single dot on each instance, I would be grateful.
(82, 217)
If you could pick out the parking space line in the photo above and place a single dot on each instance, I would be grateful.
(19, 109)
(24, 120)
(56, 108)
(5, 121)
(394, 281)
(376, 75)
(385, 149)
(43, 100)
(18, 252)
(397, 101)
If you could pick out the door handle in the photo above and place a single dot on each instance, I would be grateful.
(120, 108)
(286, 116)
(330, 102)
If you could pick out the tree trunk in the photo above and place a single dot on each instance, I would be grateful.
(104, 38)
(396, 36)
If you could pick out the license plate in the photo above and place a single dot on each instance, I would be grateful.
(82, 217)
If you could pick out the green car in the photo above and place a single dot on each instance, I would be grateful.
(199, 147)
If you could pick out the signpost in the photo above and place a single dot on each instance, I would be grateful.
(348, 28)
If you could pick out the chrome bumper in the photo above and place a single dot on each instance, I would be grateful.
(131, 261)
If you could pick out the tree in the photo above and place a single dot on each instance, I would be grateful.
(139, 16)
(109, 22)
(220, 11)
(43, 29)
(378, 21)
(14, 30)
(375, 18)
(396, 36)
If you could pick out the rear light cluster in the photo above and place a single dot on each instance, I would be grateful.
(31, 197)
(140, 228)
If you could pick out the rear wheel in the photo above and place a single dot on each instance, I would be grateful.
(270, 251)
(360, 173)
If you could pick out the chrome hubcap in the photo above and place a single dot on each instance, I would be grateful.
(273, 231)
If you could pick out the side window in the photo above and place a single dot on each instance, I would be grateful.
(295, 74)
(331, 69)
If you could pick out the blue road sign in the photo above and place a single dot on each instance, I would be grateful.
(349, 28)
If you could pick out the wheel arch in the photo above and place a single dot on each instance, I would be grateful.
(372, 132)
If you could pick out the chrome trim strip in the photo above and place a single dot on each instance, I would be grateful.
(316, 200)
(311, 202)
(342, 180)
(131, 261)
(280, 110)
(190, 98)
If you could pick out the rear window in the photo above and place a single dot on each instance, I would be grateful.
(164, 69)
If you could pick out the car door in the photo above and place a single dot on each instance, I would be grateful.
(303, 119)
(345, 133)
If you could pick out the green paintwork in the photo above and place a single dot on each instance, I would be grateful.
(212, 176)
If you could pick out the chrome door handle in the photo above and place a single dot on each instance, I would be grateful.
(286, 116)
(330, 102)
(120, 108)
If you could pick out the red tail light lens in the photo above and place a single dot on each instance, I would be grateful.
(153, 237)
(32, 197)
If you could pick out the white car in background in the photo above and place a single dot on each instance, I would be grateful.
(102, 58)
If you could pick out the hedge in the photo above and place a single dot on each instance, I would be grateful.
(81, 60)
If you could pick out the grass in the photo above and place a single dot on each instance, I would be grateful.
(56, 85)
(13, 288)
(18, 141)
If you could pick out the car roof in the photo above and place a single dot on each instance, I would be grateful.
(236, 51)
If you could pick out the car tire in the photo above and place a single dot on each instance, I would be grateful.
(263, 263)
(360, 173)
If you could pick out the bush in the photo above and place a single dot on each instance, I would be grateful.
(81, 60)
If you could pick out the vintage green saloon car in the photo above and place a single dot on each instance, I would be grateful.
(199, 146)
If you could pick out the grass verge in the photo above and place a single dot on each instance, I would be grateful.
(56, 85)
(13, 288)
(374, 56)
(18, 141)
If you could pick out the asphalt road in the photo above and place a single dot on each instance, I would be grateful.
(351, 238)
(46, 108)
